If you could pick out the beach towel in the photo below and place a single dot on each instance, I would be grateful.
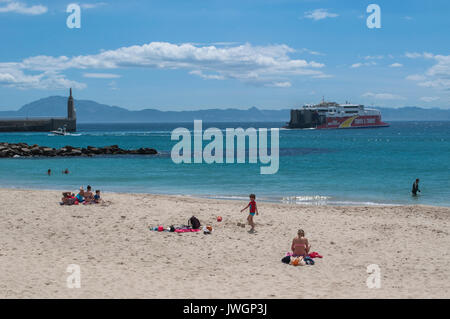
(187, 230)
(173, 229)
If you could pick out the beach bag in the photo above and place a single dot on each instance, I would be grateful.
(286, 260)
(297, 261)
(308, 260)
(194, 222)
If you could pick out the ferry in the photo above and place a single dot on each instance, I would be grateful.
(331, 115)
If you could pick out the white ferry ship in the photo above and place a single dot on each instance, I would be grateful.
(331, 115)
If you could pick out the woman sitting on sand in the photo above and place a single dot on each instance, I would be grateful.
(88, 195)
(68, 198)
(300, 245)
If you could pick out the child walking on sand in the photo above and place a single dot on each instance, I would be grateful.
(253, 211)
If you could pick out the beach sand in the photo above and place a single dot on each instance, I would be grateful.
(120, 258)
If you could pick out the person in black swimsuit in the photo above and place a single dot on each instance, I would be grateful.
(415, 187)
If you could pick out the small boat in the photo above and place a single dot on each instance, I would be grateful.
(60, 131)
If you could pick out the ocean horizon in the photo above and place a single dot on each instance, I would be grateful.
(317, 167)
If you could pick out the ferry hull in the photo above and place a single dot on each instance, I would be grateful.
(353, 122)
(344, 122)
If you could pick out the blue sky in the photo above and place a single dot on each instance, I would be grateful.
(177, 55)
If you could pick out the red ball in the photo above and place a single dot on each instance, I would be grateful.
(219, 218)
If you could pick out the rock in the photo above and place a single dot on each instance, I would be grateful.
(75, 152)
(48, 151)
(23, 149)
(36, 151)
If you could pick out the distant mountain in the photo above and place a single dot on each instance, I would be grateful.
(93, 112)
(414, 113)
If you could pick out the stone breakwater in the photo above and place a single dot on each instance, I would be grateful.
(25, 150)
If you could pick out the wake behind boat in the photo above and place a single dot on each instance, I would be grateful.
(331, 115)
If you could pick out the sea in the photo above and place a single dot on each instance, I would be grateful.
(316, 167)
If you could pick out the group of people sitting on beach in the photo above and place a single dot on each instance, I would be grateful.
(83, 197)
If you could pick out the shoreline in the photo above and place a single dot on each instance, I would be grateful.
(286, 200)
(120, 257)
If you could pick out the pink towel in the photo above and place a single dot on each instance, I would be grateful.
(186, 230)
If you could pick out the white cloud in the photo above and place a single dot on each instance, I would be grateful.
(280, 84)
(415, 77)
(437, 76)
(13, 77)
(207, 76)
(436, 84)
(101, 75)
(374, 57)
(92, 5)
(396, 65)
(383, 96)
(320, 14)
(359, 64)
(413, 55)
(429, 99)
(311, 52)
(247, 63)
(22, 8)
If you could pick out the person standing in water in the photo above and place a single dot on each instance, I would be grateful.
(49, 172)
(415, 188)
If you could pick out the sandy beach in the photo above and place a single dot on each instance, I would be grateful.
(120, 257)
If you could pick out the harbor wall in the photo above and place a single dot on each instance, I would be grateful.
(37, 125)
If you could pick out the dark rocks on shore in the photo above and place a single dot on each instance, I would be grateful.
(25, 150)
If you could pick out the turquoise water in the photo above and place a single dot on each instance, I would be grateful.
(363, 166)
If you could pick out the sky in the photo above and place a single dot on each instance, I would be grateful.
(198, 54)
